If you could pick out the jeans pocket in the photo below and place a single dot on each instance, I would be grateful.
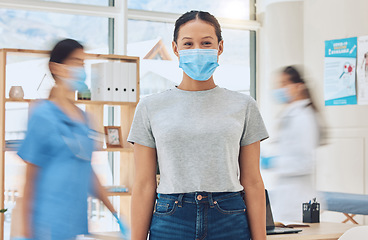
(165, 207)
(231, 205)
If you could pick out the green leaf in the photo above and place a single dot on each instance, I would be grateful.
(3, 210)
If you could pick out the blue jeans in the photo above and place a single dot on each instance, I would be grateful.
(200, 216)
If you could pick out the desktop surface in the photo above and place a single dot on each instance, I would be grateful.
(316, 231)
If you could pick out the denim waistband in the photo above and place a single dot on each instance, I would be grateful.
(200, 197)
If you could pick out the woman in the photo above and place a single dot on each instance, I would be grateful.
(299, 133)
(200, 134)
(57, 150)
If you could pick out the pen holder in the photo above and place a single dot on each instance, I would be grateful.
(311, 212)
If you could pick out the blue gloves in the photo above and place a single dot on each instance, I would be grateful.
(124, 229)
(267, 162)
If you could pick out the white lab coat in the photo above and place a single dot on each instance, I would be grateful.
(294, 163)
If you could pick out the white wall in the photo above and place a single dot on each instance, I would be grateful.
(280, 44)
(343, 164)
(294, 33)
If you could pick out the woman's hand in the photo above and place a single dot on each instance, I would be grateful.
(124, 229)
(144, 190)
(250, 178)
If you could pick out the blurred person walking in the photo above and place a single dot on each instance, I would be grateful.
(57, 150)
(299, 132)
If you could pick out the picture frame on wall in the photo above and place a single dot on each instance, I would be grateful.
(113, 137)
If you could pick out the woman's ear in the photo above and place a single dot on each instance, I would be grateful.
(175, 48)
(58, 69)
(53, 67)
(221, 47)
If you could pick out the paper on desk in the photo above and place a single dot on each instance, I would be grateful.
(291, 224)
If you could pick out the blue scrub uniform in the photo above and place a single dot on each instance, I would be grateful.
(62, 149)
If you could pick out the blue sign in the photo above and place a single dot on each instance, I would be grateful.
(346, 48)
(340, 71)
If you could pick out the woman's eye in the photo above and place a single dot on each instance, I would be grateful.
(187, 44)
(207, 43)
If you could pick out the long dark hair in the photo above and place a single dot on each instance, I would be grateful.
(295, 77)
(61, 52)
(192, 15)
(63, 49)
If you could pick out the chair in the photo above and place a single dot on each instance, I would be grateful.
(356, 233)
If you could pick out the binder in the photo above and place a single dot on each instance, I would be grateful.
(114, 81)
(116, 78)
(108, 86)
(132, 79)
(98, 74)
(124, 82)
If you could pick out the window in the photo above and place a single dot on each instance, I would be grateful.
(40, 30)
(234, 72)
(87, 2)
(151, 41)
(237, 9)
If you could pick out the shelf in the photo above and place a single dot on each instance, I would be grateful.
(102, 150)
(10, 150)
(112, 191)
(20, 100)
(104, 102)
(86, 102)
(97, 111)
(15, 51)
(116, 150)
(118, 194)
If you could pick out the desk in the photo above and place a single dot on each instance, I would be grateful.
(316, 231)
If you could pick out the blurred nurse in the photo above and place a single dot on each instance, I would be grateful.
(58, 151)
(298, 135)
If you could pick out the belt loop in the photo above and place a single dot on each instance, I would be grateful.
(210, 199)
(180, 200)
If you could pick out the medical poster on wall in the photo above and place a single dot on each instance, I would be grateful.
(340, 69)
(362, 70)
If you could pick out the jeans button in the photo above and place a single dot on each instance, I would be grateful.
(199, 197)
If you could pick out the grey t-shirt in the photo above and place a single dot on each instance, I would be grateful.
(197, 136)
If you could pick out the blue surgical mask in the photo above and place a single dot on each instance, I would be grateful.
(281, 95)
(198, 64)
(77, 79)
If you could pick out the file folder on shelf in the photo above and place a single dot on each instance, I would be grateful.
(116, 90)
(132, 82)
(114, 81)
(98, 76)
(109, 82)
(123, 82)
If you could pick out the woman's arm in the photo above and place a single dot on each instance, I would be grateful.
(250, 178)
(27, 201)
(102, 194)
(144, 190)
